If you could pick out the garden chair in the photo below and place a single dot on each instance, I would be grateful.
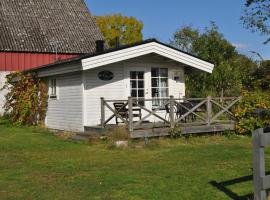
(121, 110)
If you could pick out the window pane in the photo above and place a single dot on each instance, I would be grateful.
(164, 82)
(140, 75)
(140, 93)
(155, 82)
(53, 87)
(155, 92)
(140, 84)
(163, 92)
(155, 72)
(163, 72)
(134, 93)
(133, 84)
(133, 75)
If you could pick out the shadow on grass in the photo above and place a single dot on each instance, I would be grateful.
(222, 186)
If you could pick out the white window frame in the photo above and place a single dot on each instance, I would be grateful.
(157, 100)
(137, 84)
(53, 88)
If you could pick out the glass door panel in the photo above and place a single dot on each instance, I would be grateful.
(137, 85)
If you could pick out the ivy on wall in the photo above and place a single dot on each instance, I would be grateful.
(26, 100)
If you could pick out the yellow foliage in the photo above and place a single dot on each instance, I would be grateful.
(244, 112)
(126, 29)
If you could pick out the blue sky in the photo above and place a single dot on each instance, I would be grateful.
(162, 18)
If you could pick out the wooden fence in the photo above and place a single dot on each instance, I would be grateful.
(193, 111)
(261, 182)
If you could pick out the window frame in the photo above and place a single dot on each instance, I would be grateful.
(137, 88)
(53, 88)
(157, 101)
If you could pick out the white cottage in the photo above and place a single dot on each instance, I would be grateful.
(149, 69)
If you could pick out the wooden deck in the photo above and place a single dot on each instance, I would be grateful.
(148, 130)
(145, 132)
(192, 116)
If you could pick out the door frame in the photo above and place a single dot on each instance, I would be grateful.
(147, 81)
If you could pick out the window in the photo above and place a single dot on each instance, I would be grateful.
(53, 87)
(160, 87)
(137, 85)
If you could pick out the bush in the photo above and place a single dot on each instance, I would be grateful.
(244, 112)
(176, 132)
(26, 100)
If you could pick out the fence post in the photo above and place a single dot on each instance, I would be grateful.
(172, 120)
(102, 119)
(209, 110)
(258, 165)
(130, 114)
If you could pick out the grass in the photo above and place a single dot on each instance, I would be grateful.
(35, 164)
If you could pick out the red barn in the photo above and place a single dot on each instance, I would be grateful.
(35, 33)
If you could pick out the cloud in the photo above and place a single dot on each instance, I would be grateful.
(240, 46)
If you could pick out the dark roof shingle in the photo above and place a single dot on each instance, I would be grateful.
(65, 26)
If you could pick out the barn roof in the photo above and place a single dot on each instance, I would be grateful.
(47, 26)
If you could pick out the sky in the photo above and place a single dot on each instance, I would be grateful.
(162, 18)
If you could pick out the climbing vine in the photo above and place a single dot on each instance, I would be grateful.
(26, 100)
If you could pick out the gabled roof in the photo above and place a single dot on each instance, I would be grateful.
(47, 26)
(130, 51)
(147, 47)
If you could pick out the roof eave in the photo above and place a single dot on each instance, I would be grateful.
(144, 49)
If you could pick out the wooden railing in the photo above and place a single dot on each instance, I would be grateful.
(261, 181)
(204, 111)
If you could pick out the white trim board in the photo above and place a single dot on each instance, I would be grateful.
(144, 49)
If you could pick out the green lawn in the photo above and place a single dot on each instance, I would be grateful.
(34, 164)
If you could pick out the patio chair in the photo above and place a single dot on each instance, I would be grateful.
(181, 111)
(121, 110)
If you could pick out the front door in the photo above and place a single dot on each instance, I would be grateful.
(137, 85)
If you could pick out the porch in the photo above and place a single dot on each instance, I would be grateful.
(158, 117)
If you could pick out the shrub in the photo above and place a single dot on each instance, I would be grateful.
(176, 132)
(26, 100)
(244, 111)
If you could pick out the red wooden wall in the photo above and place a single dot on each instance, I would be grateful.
(12, 61)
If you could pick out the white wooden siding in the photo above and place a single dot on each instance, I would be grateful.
(60, 69)
(66, 112)
(96, 88)
(176, 88)
(2, 92)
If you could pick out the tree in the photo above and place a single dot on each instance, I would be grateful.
(261, 76)
(118, 28)
(184, 38)
(231, 68)
(256, 16)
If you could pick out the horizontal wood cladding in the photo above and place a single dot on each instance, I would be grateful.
(15, 61)
(65, 112)
(94, 89)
